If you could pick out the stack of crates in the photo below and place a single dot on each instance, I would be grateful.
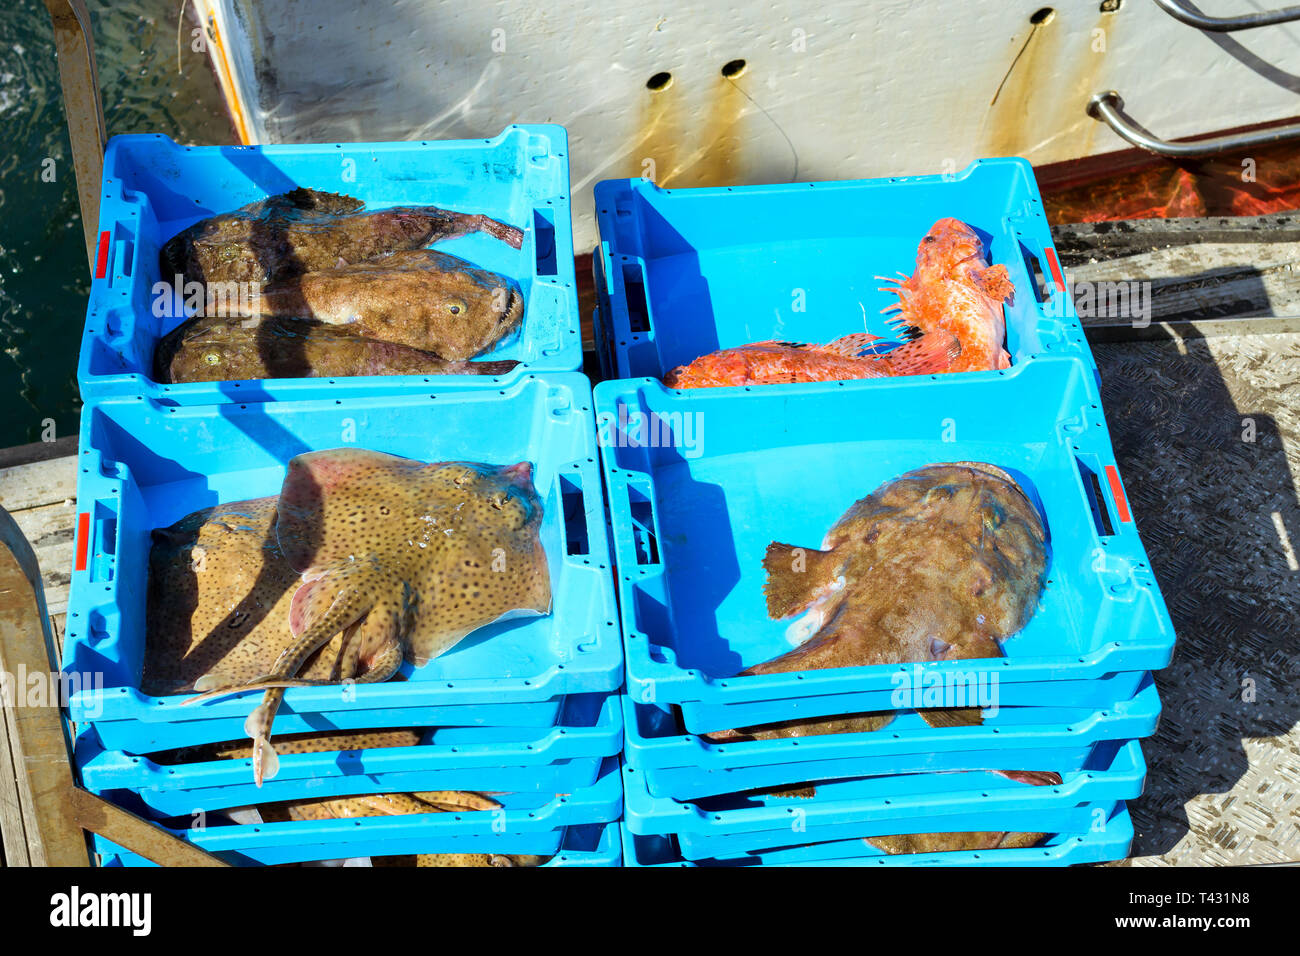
(701, 481)
(525, 709)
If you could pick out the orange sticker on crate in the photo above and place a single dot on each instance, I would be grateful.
(1117, 492)
(83, 539)
(1055, 265)
(101, 257)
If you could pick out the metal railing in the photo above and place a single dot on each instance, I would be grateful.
(1108, 107)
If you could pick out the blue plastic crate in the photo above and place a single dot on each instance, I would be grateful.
(144, 465)
(700, 483)
(532, 823)
(728, 825)
(1110, 841)
(581, 846)
(684, 272)
(685, 767)
(154, 188)
(559, 759)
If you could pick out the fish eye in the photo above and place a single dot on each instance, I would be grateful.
(456, 306)
(212, 358)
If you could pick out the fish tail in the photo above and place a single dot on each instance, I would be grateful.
(342, 614)
(795, 577)
(266, 763)
(494, 228)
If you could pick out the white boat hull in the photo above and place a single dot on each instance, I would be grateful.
(829, 90)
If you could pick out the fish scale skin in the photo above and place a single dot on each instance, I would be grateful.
(305, 231)
(230, 348)
(219, 594)
(440, 528)
(440, 549)
(953, 842)
(295, 744)
(770, 363)
(422, 299)
(949, 557)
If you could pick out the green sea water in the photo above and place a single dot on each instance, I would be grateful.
(44, 277)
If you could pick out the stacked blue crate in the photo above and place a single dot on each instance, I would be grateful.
(700, 482)
(526, 708)
(154, 188)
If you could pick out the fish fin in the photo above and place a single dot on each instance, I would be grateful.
(952, 716)
(1034, 778)
(211, 682)
(503, 367)
(851, 346)
(795, 576)
(314, 200)
(385, 662)
(931, 353)
(997, 283)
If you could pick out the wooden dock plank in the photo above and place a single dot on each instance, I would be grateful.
(51, 531)
(38, 483)
(13, 830)
(38, 742)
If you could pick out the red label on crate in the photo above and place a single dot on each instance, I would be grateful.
(1117, 492)
(1055, 266)
(83, 535)
(101, 258)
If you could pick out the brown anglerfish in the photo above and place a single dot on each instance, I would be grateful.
(938, 564)
(420, 298)
(305, 230)
(221, 349)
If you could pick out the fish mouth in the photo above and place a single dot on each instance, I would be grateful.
(514, 310)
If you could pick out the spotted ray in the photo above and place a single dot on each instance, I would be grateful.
(413, 556)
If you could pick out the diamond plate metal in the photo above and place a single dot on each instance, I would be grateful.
(1219, 516)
